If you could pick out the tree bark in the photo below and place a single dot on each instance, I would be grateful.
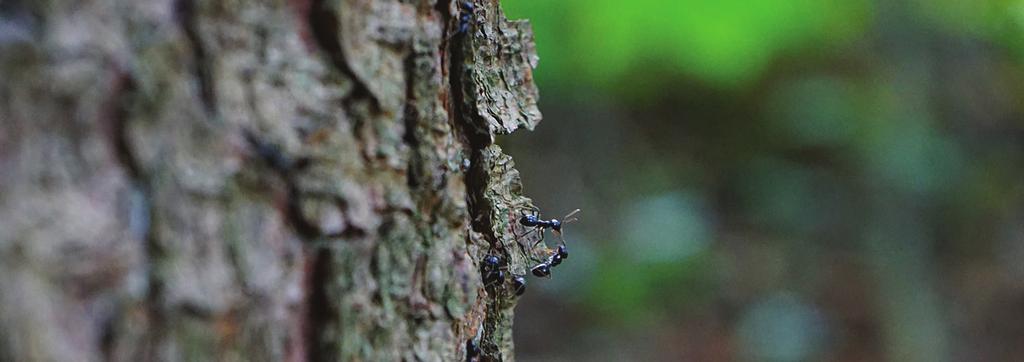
(260, 180)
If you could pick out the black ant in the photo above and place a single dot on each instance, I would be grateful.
(520, 284)
(544, 269)
(559, 255)
(554, 224)
(465, 16)
(491, 271)
(493, 274)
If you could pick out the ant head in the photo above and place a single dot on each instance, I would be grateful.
(555, 259)
(467, 5)
(541, 270)
(520, 284)
(556, 225)
(492, 260)
(531, 211)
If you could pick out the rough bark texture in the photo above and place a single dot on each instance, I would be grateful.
(258, 180)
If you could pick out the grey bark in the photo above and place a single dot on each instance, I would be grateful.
(259, 180)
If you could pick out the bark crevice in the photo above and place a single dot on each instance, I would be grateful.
(324, 23)
(321, 317)
(188, 19)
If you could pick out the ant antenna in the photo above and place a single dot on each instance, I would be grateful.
(569, 217)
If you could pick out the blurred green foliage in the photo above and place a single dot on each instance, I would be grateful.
(1000, 20)
(726, 43)
(782, 179)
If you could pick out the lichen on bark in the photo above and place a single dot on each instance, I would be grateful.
(264, 180)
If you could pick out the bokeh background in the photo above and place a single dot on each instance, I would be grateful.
(778, 180)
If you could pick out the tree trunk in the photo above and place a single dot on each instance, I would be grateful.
(259, 180)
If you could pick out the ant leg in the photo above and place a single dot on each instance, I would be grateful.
(495, 277)
(561, 236)
(516, 221)
(542, 270)
(536, 215)
(520, 236)
(512, 224)
(535, 211)
(540, 239)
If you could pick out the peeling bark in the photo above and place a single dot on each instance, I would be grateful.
(269, 180)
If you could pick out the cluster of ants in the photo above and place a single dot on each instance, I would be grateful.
(493, 269)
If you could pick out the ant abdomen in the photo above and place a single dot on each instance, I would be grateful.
(542, 270)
